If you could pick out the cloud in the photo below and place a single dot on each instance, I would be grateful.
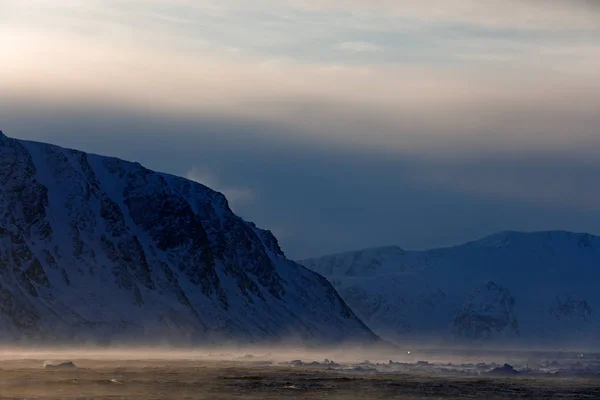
(237, 196)
(454, 117)
(499, 14)
(404, 107)
(509, 14)
(359, 47)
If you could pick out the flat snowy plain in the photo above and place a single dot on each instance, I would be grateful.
(252, 374)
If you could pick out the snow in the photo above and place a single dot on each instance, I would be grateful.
(528, 288)
(145, 292)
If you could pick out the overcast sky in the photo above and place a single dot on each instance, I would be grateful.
(337, 124)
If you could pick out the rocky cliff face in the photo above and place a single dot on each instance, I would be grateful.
(99, 249)
(516, 288)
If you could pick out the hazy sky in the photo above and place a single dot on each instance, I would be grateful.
(337, 124)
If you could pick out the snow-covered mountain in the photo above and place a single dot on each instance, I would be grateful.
(100, 249)
(531, 288)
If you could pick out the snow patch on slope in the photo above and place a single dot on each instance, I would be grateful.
(534, 288)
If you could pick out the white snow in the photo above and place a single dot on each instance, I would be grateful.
(419, 295)
(92, 306)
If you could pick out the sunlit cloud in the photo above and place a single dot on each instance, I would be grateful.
(541, 93)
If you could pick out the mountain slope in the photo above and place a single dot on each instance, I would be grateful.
(530, 288)
(100, 249)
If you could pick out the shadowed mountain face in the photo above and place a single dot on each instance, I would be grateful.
(99, 249)
(512, 288)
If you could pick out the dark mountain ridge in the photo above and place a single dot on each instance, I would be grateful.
(99, 249)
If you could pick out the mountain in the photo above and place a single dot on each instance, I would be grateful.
(98, 249)
(514, 288)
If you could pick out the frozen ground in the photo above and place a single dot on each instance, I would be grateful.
(246, 375)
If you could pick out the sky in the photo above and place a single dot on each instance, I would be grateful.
(339, 125)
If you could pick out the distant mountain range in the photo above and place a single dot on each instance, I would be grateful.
(516, 288)
(98, 249)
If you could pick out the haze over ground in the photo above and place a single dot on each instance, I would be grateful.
(338, 125)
